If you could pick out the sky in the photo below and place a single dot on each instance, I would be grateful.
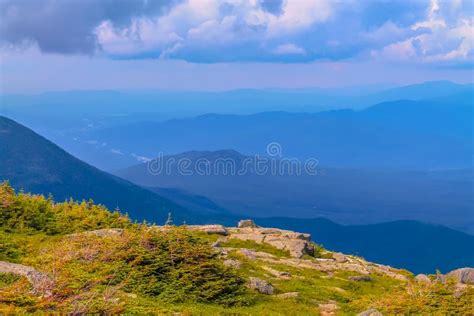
(229, 44)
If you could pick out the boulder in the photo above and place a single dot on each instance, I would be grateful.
(42, 284)
(462, 275)
(246, 223)
(260, 285)
(370, 312)
(360, 278)
(423, 278)
(232, 263)
(339, 257)
(328, 309)
(296, 247)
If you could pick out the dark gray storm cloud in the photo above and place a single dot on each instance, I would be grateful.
(61, 26)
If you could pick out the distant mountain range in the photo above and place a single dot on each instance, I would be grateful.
(403, 135)
(34, 164)
(351, 196)
(90, 124)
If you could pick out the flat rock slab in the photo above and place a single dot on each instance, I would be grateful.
(41, 282)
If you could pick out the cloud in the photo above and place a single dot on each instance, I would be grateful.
(289, 49)
(210, 31)
(67, 27)
(437, 39)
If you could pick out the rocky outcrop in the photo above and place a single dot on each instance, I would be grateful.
(339, 257)
(210, 229)
(297, 244)
(246, 223)
(463, 275)
(423, 278)
(42, 284)
(260, 285)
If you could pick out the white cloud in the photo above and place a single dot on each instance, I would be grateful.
(198, 23)
(213, 31)
(298, 16)
(437, 40)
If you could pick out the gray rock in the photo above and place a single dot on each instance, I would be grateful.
(288, 295)
(246, 223)
(339, 257)
(232, 263)
(360, 278)
(422, 278)
(462, 275)
(41, 282)
(370, 312)
(328, 309)
(260, 285)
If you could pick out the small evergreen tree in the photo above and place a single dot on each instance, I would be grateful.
(169, 220)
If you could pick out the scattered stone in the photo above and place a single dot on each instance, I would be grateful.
(210, 229)
(260, 285)
(360, 278)
(462, 275)
(247, 223)
(288, 295)
(370, 312)
(339, 257)
(328, 309)
(232, 263)
(42, 283)
(423, 278)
